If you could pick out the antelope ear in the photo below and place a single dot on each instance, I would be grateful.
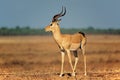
(59, 20)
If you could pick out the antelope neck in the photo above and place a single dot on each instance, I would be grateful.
(57, 34)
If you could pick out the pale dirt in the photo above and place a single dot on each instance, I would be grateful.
(38, 58)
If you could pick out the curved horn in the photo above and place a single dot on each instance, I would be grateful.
(55, 18)
(64, 12)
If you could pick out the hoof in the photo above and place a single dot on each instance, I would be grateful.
(61, 75)
(85, 74)
(73, 74)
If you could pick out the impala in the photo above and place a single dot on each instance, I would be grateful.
(67, 42)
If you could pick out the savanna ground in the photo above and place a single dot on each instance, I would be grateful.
(38, 58)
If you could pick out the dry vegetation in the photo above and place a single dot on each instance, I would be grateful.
(38, 58)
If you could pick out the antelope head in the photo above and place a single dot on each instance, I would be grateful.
(55, 21)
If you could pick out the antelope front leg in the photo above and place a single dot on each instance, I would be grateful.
(70, 61)
(62, 56)
(76, 61)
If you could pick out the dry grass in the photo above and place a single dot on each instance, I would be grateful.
(38, 58)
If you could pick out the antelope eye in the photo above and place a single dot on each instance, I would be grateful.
(50, 24)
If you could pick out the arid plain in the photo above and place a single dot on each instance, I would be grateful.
(38, 58)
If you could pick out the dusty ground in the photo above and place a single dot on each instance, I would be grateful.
(38, 58)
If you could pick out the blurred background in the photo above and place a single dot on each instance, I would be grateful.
(28, 53)
(24, 17)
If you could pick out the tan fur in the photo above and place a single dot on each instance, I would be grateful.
(68, 42)
(65, 41)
